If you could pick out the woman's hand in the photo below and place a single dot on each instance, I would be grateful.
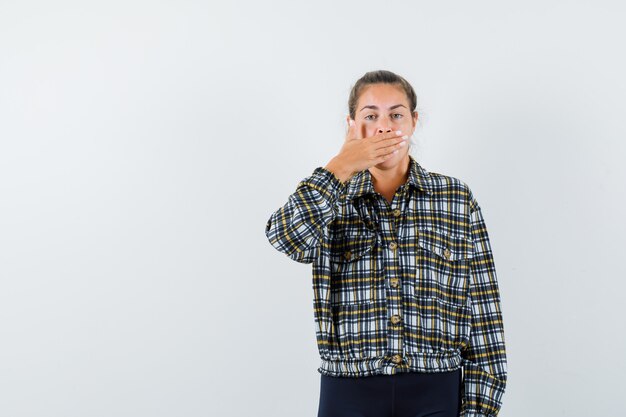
(358, 154)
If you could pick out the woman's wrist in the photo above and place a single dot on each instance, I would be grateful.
(339, 169)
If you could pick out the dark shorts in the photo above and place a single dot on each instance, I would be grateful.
(407, 394)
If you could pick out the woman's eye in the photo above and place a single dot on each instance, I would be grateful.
(395, 114)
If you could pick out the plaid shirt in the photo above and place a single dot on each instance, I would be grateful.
(399, 287)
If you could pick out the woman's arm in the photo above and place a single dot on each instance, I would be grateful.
(296, 229)
(484, 360)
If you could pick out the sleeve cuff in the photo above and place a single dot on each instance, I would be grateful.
(325, 182)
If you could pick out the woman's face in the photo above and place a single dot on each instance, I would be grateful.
(383, 108)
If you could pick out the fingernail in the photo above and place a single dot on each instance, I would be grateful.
(398, 132)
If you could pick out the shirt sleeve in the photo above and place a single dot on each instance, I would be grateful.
(484, 358)
(296, 229)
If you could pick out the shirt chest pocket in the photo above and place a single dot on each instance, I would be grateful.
(356, 273)
(443, 265)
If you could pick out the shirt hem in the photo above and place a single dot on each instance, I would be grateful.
(411, 362)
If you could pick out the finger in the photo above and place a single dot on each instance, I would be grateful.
(386, 156)
(391, 145)
(382, 137)
(383, 156)
(352, 132)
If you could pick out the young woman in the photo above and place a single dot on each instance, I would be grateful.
(405, 295)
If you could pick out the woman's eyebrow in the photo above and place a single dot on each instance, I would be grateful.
(371, 106)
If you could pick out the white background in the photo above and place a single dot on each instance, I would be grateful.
(144, 145)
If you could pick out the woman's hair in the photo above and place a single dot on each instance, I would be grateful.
(384, 77)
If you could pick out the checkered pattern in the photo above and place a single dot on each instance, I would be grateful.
(406, 286)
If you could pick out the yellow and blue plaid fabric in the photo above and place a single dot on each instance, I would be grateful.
(399, 287)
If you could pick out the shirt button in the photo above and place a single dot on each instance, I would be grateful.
(396, 358)
(395, 319)
(393, 245)
(446, 253)
(395, 282)
(347, 255)
(396, 212)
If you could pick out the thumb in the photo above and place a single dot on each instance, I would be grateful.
(351, 134)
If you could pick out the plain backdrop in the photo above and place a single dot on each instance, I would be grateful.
(144, 145)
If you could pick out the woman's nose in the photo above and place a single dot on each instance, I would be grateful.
(384, 129)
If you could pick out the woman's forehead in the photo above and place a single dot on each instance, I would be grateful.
(382, 96)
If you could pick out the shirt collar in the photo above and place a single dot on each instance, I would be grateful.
(361, 183)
